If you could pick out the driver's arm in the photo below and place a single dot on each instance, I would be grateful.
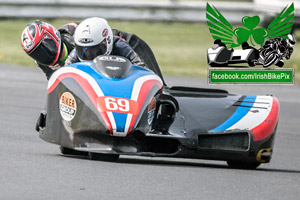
(122, 48)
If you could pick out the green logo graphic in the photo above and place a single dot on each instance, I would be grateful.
(221, 29)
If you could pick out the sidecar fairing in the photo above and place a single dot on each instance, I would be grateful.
(109, 108)
(213, 124)
(220, 56)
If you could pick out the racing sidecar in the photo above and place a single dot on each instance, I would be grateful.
(219, 56)
(109, 107)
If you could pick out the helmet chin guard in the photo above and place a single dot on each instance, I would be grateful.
(93, 37)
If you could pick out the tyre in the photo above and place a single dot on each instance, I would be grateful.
(271, 59)
(103, 157)
(251, 63)
(41, 121)
(37, 125)
(280, 63)
(243, 165)
(218, 65)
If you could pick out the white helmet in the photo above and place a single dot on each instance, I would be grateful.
(291, 40)
(93, 37)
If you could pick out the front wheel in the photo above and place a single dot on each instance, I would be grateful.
(103, 157)
(270, 59)
(243, 165)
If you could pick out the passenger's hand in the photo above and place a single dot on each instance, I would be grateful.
(55, 67)
(70, 60)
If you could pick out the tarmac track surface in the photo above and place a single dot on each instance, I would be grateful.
(33, 169)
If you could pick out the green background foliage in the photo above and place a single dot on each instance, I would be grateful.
(180, 48)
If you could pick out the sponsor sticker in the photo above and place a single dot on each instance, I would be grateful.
(118, 105)
(113, 68)
(27, 43)
(86, 40)
(151, 110)
(67, 106)
(105, 32)
(112, 58)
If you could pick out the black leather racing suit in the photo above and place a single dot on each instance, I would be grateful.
(120, 48)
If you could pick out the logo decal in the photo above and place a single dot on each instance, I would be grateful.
(87, 29)
(104, 32)
(112, 58)
(260, 46)
(221, 29)
(67, 106)
(86, 40)
(151, 110)
(27, 43)
(113, 68)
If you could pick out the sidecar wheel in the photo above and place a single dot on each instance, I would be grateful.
(243, 165)
(103, 157)
(251, 63)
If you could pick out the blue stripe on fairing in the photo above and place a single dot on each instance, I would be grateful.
(120, 119)
(121, 87)
(240, 112)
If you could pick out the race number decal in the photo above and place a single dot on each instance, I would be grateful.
(67, 106)
(119, 105)
(151, 110)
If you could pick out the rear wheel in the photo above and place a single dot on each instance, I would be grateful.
(218, 65)
(243, 165)
(103, 157)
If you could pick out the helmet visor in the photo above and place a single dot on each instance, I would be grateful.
(86, 53)
(47, 52)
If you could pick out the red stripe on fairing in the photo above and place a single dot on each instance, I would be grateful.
(88, 89)
(266, 128)
(143, 93)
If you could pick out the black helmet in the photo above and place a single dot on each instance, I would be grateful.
(42, 42)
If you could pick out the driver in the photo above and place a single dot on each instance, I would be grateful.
(94, 37)
(48, 46)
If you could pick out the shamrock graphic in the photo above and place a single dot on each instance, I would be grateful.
(257, 34)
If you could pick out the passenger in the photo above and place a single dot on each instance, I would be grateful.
(48, 46)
